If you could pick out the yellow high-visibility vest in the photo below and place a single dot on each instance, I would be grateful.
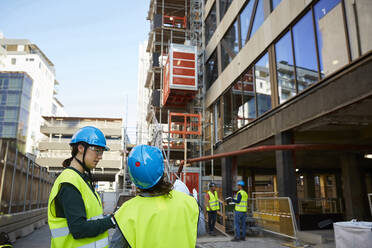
(159, 221)
(213, 201)
(61, 236)
(242, 206)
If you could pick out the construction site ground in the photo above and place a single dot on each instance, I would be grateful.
(40, 238)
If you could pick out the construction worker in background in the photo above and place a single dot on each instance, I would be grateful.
(240, 215)
(212, 206)
(75, 212)
(158, 216)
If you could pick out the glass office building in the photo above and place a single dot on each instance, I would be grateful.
(15, 97)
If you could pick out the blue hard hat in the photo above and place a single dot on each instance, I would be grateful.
(146, 166)
(90, 135)
(241, 183)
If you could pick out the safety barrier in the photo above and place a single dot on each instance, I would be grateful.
(275, 215)
(24, 191)
(24, 184)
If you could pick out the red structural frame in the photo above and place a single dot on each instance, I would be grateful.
(185, 124)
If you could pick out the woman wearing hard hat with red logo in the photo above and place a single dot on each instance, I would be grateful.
(75, 213)
(158, 216)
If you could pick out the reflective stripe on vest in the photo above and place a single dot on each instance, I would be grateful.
(242, 206)
(213, 201)
(159, 221)
(61, 236)
(64, 231)
(98, 244)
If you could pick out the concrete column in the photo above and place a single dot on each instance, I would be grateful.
(285, 171)
(355, 197)
(229, 173)
(309, 186)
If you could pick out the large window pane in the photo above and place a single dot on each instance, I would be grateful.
(364, 10)
(249, 100)
(230, 45)
(13, 99)
(285, 68)
(217, 121)
(245, 19)
(262, 83)
(237, 102)
(227, 113)
(210, 24)
(305, 52)
(224, 5)
(11, 115)
(211, 70)
(331, 35)
(15, 83)
(258, 18)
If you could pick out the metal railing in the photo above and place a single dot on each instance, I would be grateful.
(320, 206)
(24, 184)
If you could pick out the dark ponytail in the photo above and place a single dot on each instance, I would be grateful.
(74, 150)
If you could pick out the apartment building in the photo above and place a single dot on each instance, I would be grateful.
(24, 59)
(58, 131)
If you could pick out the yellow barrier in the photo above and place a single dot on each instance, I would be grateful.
(275, 214)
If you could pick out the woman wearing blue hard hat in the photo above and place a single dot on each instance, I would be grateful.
(158, 216)
(75, 212)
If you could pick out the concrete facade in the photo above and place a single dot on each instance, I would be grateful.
(329, 105)
(58, 132)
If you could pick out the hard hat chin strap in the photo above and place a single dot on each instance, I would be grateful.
(85, 167)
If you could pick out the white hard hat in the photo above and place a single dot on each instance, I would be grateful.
(180, 186)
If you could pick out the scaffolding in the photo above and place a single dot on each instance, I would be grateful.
(176, 24)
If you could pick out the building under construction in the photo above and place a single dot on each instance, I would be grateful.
(273, 92)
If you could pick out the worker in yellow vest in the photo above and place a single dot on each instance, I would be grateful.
(212, 206)
(75, 213)
(240, 215)
(158, 216)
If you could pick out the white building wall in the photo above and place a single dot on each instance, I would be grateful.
(59, 110)
(43, 77)
(143, 95)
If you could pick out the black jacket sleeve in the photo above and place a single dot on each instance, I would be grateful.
(72, 208)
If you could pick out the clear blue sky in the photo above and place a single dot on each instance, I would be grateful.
(93, 45)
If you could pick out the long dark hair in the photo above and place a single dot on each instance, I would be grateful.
(74, 151)
(163, 187)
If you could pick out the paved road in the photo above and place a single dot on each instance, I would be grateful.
(40, 238)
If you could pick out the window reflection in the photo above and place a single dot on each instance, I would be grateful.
(210, 24)
(230, 45)
(331, 36)
(262, 85)
(258, 18)
(211, 70)
(305, 52)
(224, 5)
(245, 18)
(249, 99)
(227, 113)
(285, 68)
(217, 120)
(15, 96)
(238, 109)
